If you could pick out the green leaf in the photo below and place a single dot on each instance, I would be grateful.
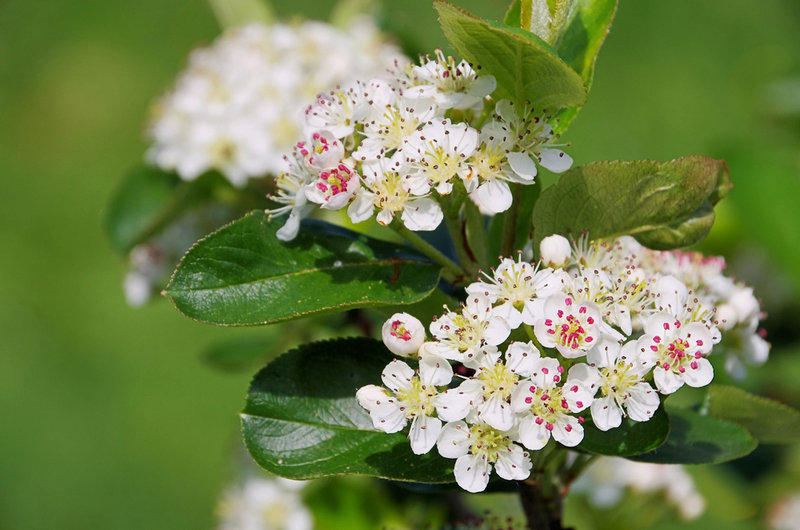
(302, 419)
(137, 206)
(630, 438)
(526, 68)
(579, 44)
(767, 420)
(697, 439)
(232, 13)
(663, 204)
(513, 16)
(243, 275)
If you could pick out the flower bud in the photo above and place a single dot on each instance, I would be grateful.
(403, 334)
(555, 251)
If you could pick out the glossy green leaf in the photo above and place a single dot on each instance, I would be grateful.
(697, 439)
(137, 206)
(526, 68)
(630, 438)
(243, 275)
(663, 204)
(302, 419)
(767, 420)
(579, 44)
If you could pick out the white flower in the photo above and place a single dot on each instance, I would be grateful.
(238, 105)
(403, 334)
(411, 397)
(677, 351)
(618, 372)
(291, 192)
(519, 289)
(555, 251)
(334, 187)
(570, 326)
(451, 85)
(489, 390)
(388, 126)
(532, 137)
(386, 187)
(461, 335)
(338, 110)
(544, 403)
(490, 172)
(262, 504)
(438, 152)
(476, 449)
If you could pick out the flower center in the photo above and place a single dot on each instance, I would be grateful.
(488, 442)
(616, 382)
(400, 331)
(389, 193)
(334, 181)
(418, 399)
(548, 405)
(498, 379)
(675, 355)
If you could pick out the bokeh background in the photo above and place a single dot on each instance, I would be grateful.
(109, 418)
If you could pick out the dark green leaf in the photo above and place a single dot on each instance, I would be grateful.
(663, 204)
(580, 41)
(630, 438)
(513, 16)
(767, 420)
(526, 68)
(243, 275)
(698, 439)
(302, 419)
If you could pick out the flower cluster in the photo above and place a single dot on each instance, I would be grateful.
(264, 502)
(238, 106)
(605, 483)
(398, 145)
(539, 350)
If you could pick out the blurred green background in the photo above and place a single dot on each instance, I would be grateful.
(108, 416)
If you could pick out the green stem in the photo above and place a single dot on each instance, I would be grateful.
(452, 272)
(511, 219)
(451, 207)
(542, 509)
(476, 234)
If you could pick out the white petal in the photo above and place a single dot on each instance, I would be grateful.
(672, 294)
(483, 86)
(472, 473)
(497, 331)
(587, 375)
(424, 433)
(698, 336)
(521, 358)
(666, 381)
(387, 416)
(606, 414)
(370, 395)
(699, 376)
(568, 432)
(385, 217)
(754, 348)
(494, 195)
(455, 403)
(555, 160)
(434, 370)
(522, 165)
(515, 464)
(422, 215)
(397, 375)
(532, 435)
(496, 412)
(362, 207)
(453, 441)
(642, 403)
(505, 109)
(290, 228)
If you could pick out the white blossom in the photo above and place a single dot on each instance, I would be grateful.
(403, 334)
(476, 449)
